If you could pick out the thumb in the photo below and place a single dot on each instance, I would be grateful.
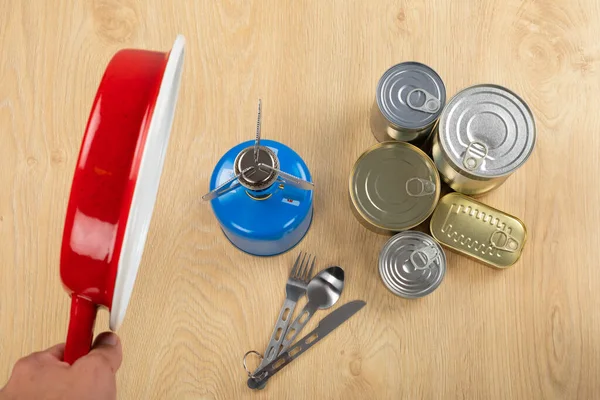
(108, 346)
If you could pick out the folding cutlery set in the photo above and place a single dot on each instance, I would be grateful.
(322, 291)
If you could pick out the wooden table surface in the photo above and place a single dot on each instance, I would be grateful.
(529, 332)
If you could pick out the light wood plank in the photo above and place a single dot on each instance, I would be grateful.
(529, 332)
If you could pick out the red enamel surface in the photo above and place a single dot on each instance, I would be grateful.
(106, 173)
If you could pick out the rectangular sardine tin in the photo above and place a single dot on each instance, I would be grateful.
(484, 233)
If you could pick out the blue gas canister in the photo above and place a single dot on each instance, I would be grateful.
(261, 193)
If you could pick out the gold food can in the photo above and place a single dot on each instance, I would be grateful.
(476, 230)
(394, 186)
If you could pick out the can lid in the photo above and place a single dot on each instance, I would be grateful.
(394, 186)
(477, 230)
(411, 95)
(487, 131)
(412, 264)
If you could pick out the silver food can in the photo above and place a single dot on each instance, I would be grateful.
(410, 98)
(412, 264)
(484, 134)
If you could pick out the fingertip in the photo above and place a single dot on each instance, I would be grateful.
(108, 345)
(106, 339)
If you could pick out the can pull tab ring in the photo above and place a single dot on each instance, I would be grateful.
(426, 256)
(431, 105)
(425, 187)
(474, 155)
(501, 240)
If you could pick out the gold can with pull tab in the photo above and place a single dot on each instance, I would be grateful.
(476, 230)
(394, 186)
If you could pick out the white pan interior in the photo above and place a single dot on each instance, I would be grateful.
(146, 188)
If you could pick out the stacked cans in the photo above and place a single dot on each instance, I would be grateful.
(483, 135)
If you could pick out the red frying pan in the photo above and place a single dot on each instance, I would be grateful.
(115, 185)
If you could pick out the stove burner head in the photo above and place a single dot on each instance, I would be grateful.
(256, 179)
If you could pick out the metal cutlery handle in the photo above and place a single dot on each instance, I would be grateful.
(296, 326)
(325, 327)
(289, 179)
(284, 359)
(281, 326)
(226, 186)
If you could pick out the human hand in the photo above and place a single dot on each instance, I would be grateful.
(44, 376)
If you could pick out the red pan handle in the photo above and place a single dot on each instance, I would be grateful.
(81, 328)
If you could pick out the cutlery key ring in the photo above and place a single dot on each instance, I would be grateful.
(250, 374)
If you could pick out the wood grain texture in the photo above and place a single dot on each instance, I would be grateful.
(530, 332)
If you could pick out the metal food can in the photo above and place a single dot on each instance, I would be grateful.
(478, 231)
(484, 134)
(410, 98)
(394, 186)
(412, 264)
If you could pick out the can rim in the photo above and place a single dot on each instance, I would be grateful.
(472, 256)
(442, 137)
(432, 166)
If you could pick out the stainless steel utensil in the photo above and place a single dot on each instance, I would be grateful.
(326, 325)
(294, 289)
(323, 291)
